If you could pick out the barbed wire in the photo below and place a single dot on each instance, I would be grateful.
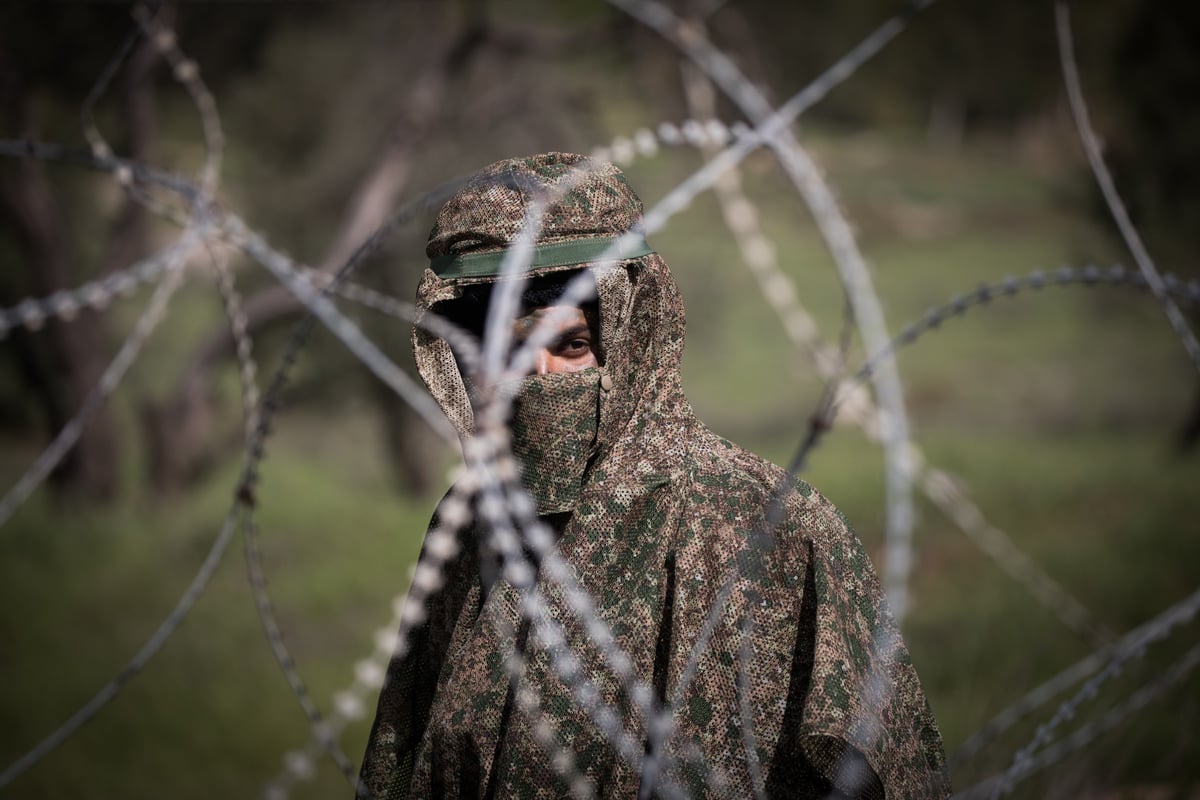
(778, 290)
(173, 273)
(186, 72)
(749, 741)
(863, 301)
(33, 313)
(323, 735)
(1086, 276)
(287, 664)
(511, 515)
(428, 577)
(1129, 648)
(1090, 275)
(941, 486)
(235, 315)
(249, 530)
(244, 496)
(1087, 733)
(504, 505)
(134, 667)
(579, 290)
(87, 120)
(1072, 675)
(1114, 658)
(231, 228)
(487, 454)
(1091, 146)
(503, 542)
(98, 144)
(196, 227)
(349, 704)
(125, 171)
(284, 270)
(854, 277)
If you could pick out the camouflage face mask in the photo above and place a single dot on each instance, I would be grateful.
(554, 423)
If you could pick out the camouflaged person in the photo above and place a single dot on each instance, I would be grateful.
(654, 513)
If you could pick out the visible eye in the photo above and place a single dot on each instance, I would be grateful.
(575, 347)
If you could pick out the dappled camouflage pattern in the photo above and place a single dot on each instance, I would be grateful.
(488, 213)
(666, 509)
(554, 426)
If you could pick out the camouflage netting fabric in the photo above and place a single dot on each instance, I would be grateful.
(661, 513)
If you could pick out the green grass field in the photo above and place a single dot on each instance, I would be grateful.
(1057, 410)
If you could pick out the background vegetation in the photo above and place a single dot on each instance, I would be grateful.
(1070, 413)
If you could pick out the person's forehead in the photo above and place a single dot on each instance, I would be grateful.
(558, 312)
(562, 318)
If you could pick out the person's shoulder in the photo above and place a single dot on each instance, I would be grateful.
(728, 474)
(718, 461)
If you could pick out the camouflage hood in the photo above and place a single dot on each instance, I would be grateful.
(477, 226)
(666, 509)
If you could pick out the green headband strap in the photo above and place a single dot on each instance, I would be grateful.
(555, 254)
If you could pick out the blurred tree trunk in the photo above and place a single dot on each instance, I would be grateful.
(130, 239)
(409, 440)
(1189, 432)
(179, 427)
(63, 362)
(947, 124)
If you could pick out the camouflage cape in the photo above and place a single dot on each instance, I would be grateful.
(663, 512)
